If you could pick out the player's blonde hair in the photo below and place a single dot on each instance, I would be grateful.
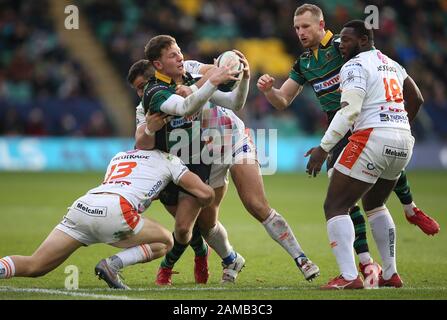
(313, 9)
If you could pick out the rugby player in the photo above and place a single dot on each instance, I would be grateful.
(373, 91)
(320, 66)
(110, 213)
(138, 76)
(159, 96)
(244, 169)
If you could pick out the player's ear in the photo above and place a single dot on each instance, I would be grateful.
(157, 64)
(322, 24)
(364, 41)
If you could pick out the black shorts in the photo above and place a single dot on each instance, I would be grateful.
(169, 195)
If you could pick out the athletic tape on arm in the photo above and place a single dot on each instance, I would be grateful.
(179, 106)
(344, 119)
(234, 100)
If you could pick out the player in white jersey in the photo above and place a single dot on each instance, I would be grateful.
(374, 89)
(242, 163)
(110, 213)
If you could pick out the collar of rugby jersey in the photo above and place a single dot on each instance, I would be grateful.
(328, 35)
(163, 77)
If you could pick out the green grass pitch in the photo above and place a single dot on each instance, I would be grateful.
(33, 203)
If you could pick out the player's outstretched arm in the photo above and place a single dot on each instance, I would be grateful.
(279, 98)
(192, 183)
(177, 105)
(412, 97)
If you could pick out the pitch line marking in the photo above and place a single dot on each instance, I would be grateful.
(66, 293)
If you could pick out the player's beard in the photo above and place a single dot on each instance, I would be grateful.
(351, 54)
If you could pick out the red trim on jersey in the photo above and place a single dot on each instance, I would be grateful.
(354, 148)
(129, 213)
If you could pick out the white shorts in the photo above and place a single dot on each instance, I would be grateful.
(101, 218)
(376, 153)
(244, 151)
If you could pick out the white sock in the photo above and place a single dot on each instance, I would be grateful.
(365, 258)
(408, 209)
(7, 268)
(280, 231)
(217, 238)
(384, 232)
(131, 256)
(340, 230)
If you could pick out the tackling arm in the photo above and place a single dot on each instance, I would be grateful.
(192, 183)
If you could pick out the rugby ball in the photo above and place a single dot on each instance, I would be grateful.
(226, 58)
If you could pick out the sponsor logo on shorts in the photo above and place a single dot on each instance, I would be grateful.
(91, 210)
(369, 174)
(394, 152)
(370, 166)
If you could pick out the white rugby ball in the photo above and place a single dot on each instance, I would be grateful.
(228, 58)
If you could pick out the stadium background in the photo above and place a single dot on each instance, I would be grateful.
(65, 104)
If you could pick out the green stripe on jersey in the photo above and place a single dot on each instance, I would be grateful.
(156, 92)
(322, 74)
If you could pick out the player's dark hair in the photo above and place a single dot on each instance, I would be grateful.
(360, 29)
(153, 48)
(140, 68)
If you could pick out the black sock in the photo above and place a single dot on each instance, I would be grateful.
(360, 243)
(172, 256)
(402, 189)
(197, 242)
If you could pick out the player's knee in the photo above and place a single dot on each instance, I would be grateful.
(257, 207)
(183, 233)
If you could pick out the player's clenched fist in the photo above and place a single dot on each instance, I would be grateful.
(265, 83)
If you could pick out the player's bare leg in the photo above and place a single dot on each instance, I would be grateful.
(56, 248)
(383, 230)
(186, 214)
(207, 216)
(361, 246)
(343, 192)
(216, 236)
(250, 187)
(201, 251)
(152, 242)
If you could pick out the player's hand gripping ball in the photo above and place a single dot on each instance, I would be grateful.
(230, 58)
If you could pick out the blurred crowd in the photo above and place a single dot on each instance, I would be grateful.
(34, 65)
(42, 90)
